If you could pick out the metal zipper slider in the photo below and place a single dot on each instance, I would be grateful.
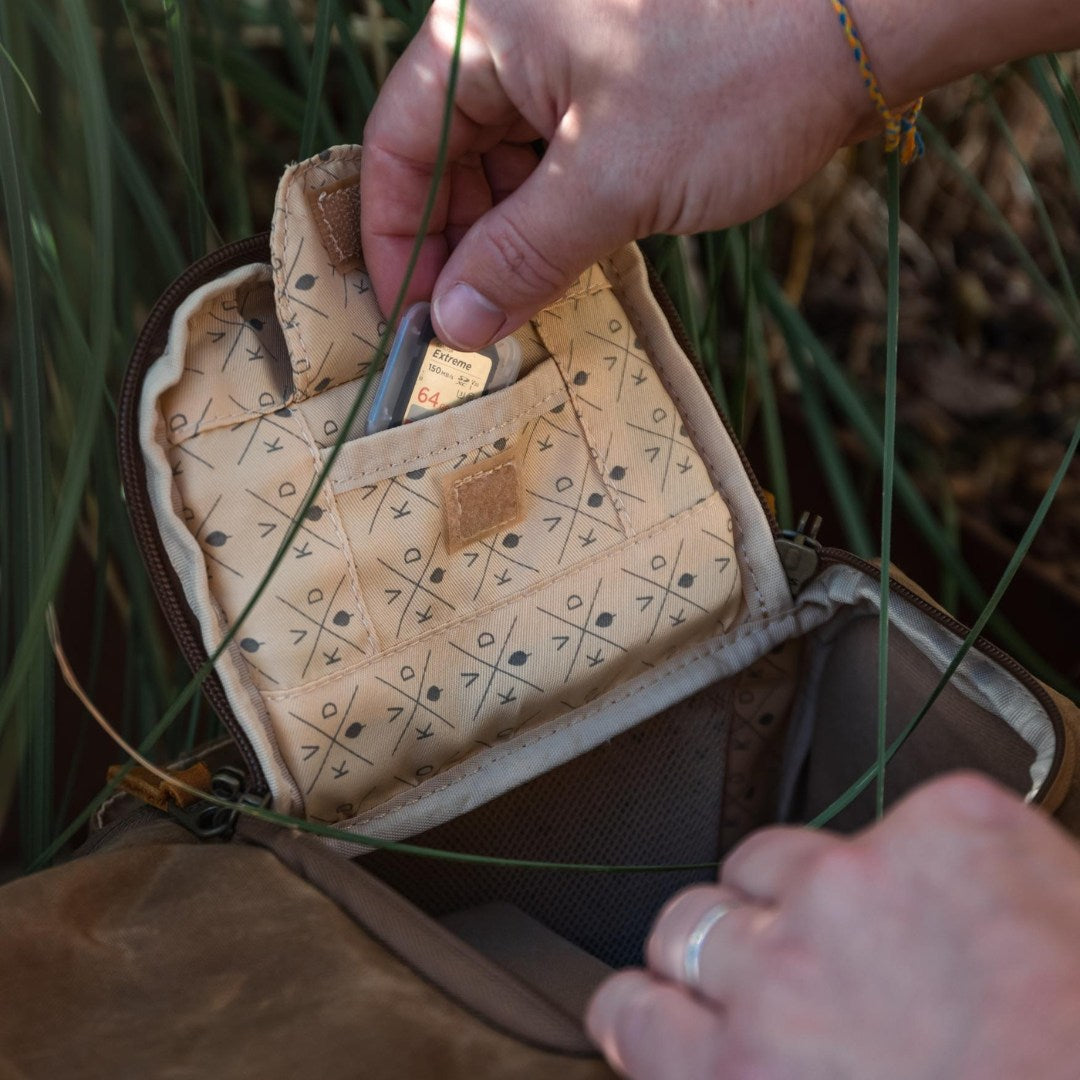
(209, 821)
(800, 552)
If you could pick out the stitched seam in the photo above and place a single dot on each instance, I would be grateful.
(242, 671)
(664, 526)
(594, 452)
(590, 710)
(455, 494)
(632, 311)
(216, 423)
(327, 231)
(339, 531)
(294, 318)
(592, 290)
(360, 477)
(213, 423)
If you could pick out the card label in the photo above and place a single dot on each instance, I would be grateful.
(446, 377)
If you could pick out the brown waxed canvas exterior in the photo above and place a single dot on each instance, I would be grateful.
(1064, 799)
(164, 957)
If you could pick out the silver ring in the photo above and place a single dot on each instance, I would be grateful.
(696, 941)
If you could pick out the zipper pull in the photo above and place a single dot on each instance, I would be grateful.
(800, 552)
(209, 821)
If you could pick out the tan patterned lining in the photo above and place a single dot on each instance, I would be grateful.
(383, 655)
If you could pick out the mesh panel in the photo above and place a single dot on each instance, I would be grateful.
(651, 795)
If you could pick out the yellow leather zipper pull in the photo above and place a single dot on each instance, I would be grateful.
(158, 793)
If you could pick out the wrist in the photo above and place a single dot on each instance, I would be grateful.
(918, 45)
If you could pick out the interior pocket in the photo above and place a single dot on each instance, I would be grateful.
(778, 741)
(419, 638)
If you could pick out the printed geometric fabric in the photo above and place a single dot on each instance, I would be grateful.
(382, 656)
(329, 316)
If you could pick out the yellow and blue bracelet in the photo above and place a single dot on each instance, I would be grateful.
(901, 125)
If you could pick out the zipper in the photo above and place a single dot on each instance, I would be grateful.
(831, 556)
(804, 558)
(212, 821)
(148, 347)
(801, 554)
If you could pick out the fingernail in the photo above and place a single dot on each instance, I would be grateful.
(466, 318)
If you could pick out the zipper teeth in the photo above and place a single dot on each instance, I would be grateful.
(178, 614)
(832, 556)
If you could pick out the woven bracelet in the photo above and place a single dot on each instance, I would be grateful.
(901, 130)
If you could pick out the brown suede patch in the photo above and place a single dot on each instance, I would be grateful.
(155, 792)
(336, 210)
(481, 498)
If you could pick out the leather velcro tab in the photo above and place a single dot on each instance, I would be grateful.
(336, 211)
(482, 498)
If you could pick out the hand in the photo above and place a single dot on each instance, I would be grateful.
(940, 943)
(660, 116)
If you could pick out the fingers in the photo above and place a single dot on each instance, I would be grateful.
(507, 166)
(401, 147)
(965, 796)
(651, 1030)
(724, 952)
(767, 863)
(525, 251)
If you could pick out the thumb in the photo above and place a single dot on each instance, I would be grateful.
(523, 253)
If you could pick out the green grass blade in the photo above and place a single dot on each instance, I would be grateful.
(297, 55)
(716, 247)
(1038, 68)
(1039, 205)
(258, 85)
(232, 154)
(864, 781)
(43, 582)
(195, 192)
(773, 431)
(843, 394)
(746, 261)
(950, 521)
(740, 380)
(361, 80)
(21, 77)
(940, 147)
(146, 200)
(26, 517)
(178, 33)
(292, 39)
(888, 471)
(1068, 92)
(822, 433)
(317, 78)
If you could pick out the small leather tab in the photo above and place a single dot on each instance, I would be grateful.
(155, 792)
(482, 498)
(336, 212)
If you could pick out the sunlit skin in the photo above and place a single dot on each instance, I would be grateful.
(660, 116)
(941, 942)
